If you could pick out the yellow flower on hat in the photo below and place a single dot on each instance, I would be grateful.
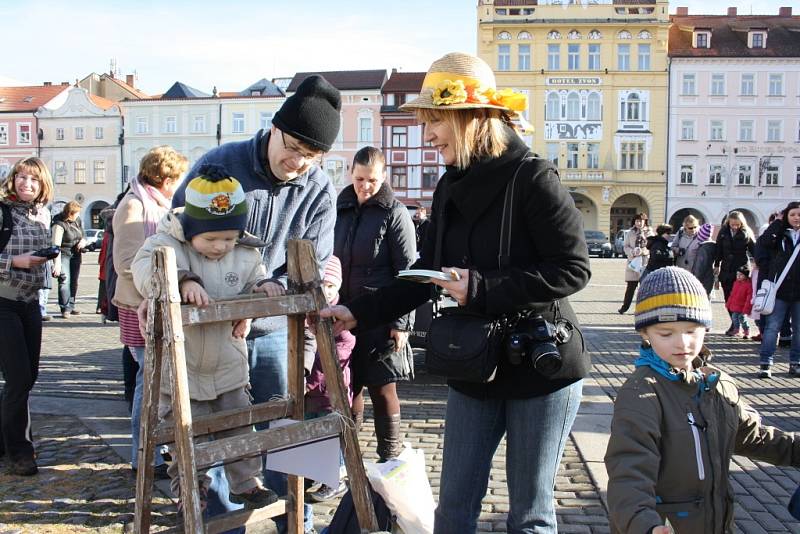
(449, 92)
(508, 98)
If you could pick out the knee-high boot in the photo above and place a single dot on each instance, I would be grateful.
(387, 430)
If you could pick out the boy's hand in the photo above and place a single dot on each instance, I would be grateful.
(241, 328)
(193, 293)
(271, 289)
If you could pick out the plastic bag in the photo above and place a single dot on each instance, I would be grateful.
(637, 264)
(403, 484)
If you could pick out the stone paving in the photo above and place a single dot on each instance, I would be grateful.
(81, 427)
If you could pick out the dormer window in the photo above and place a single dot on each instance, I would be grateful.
(702, 39)
(757, 39)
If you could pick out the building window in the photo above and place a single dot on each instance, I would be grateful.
(632, 108)
(364, 130)
(572, 155)
(594, 57)
(524, 58)
(335, 170)
(79, 132)
(399, 136)
(199, 124)
(399, 177)
(687, 130)
(171, 125)
(687, 174)
(4, 133)
(98, 132)
(774, 131)
(573, 107)
(593, 155)
(701, 39)
(715, 174)
(631, 156)
(265, 120)
(718, 84)
(142, 125)
(717, 131)
(80, 172)
(503, 57)
(552, 153)
(773, 175)
(553, 57)
(99, 171)
(593, 112)
(430, 175)
(757, 39)
(574, 57)
(797, 175)
(775, 85)
(748, 85)
(238, 123)
(60, 168)
(59, 134)
(23, 134)
(644, 57)
(553, 106)
(745, 174)
(745, 130)
(688, 85)
(624, 57)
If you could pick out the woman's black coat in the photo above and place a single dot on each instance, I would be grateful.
(549, 258)
(732, 252)
(778, 241)
(659, 253)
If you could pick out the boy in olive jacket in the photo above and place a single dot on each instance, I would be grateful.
(677, 421)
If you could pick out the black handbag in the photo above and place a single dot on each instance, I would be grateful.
(463, 344)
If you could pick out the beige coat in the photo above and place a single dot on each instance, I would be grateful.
(216, 361)
(629, 246)
(128, 224)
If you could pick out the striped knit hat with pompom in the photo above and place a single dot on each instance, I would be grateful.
(671, 294)
(215, 201)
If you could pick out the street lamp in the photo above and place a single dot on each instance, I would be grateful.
(729, 174)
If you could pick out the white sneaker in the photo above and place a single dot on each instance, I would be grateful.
(327, 493)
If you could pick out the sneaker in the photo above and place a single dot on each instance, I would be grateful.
(328, 493)
(24, 467)
(765, 372)
(74, 312)
(794, 369)
(64, 314)
(258, 497)
(746, 335)
(46, 318)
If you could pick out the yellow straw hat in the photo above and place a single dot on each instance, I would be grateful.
(462, 81)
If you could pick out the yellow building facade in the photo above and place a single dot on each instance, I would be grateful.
(596, 77)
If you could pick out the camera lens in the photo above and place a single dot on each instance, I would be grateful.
(546, 359)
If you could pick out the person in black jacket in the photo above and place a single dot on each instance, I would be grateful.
(374, 239)
(469, 123)
(735, 247)
(658, 245)
(68, 235)
(780, 239)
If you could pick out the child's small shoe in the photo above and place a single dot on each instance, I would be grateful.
(746, 334)
(794, 369)
(765, 372)
(258, 497)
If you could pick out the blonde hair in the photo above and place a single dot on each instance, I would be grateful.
(162, 164)
(478, 133)
(70, 208)
(690, 219)
(738, 216)
(36, 167)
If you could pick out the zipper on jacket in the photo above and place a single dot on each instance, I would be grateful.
(698, 452)
(708, 446)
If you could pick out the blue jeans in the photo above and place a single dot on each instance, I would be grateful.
(68, 281)
(536, 431)
(769, 337)
(44, 296)
(136, 411)
(740, 322)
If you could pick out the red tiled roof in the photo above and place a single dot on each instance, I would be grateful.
(344, 79)
(127, 87)
(729, 35)
(28, 98)
(103, 103)
(404, 82)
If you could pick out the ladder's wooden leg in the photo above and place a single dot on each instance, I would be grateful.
(296, 386)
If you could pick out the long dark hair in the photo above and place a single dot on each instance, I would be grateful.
(793, 205)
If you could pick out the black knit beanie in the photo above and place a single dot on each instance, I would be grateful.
(312, 113)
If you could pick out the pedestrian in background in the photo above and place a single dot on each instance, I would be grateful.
(26, 191)
(68, 235)
(703, 265)
(635, 247)
(740, 302)
(735, 248)
(685, 243)
(658, 246)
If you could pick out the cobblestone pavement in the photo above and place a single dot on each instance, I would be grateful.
(82, 432)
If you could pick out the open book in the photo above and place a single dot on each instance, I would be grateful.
(424, 275)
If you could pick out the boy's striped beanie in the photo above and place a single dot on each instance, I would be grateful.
(671, 294)
(215, 201)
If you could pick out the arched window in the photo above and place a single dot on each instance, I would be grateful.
(524, 36)
(644, 34)
(632, 108)
(554, 35)
(594, 35)
(574, 34)
(593, 107)
(503, 36)
(553, 105)
(624, 34)
(573, 107)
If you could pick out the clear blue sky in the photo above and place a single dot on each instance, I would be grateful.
(233, 43)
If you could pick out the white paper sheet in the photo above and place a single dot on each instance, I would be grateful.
(318, 461)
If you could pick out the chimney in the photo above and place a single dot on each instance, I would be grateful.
(47, 84)
(129, 79)
(785, 11)
(682, 11)
(731, 11)
(64, 83)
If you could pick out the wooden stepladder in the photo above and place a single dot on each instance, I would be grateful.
(166, 318)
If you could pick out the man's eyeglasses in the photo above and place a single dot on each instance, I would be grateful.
(691, 228)
(297, 151)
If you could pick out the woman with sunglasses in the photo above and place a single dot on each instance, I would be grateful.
(685, 243)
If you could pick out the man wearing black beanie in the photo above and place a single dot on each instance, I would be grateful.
(289, 197)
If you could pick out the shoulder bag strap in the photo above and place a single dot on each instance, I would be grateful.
(788, 266)
(504, 255)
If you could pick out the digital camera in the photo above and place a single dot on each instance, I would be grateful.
(535, 339)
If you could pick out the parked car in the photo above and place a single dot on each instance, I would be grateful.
(598, 243)
(93, 237)
(619, 244)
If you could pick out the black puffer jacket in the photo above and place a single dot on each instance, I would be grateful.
(659, 253)
(549, 259)
(732, 252)
(778, 241)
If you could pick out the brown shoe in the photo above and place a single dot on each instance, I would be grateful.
(74, 312)
(64, 314)
(24, 467)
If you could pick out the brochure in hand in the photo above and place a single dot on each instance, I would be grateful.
(425, 275)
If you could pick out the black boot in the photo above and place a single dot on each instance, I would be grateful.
(387, 430)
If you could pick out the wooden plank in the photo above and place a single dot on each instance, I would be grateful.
(272, 439)
(247, 307)
(296, 387)
(304, 268)
(228, 419)
(231, 520)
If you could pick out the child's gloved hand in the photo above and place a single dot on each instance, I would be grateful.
(241, 328)
(271, 289)
(193, 293)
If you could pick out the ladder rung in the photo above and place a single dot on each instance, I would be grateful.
(238, 518)
(293, 435)
(238, 417)
(248, 307)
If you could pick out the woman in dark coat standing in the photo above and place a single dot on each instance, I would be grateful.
(469, 123)
(735, 247)
(374, 239)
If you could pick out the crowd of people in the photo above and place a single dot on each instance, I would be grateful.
(230, 216)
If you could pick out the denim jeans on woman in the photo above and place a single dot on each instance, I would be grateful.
(536, 431)
(136, 413)
(769, 338)
(68, 281)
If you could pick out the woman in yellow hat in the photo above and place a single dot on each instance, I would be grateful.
(542, 260)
